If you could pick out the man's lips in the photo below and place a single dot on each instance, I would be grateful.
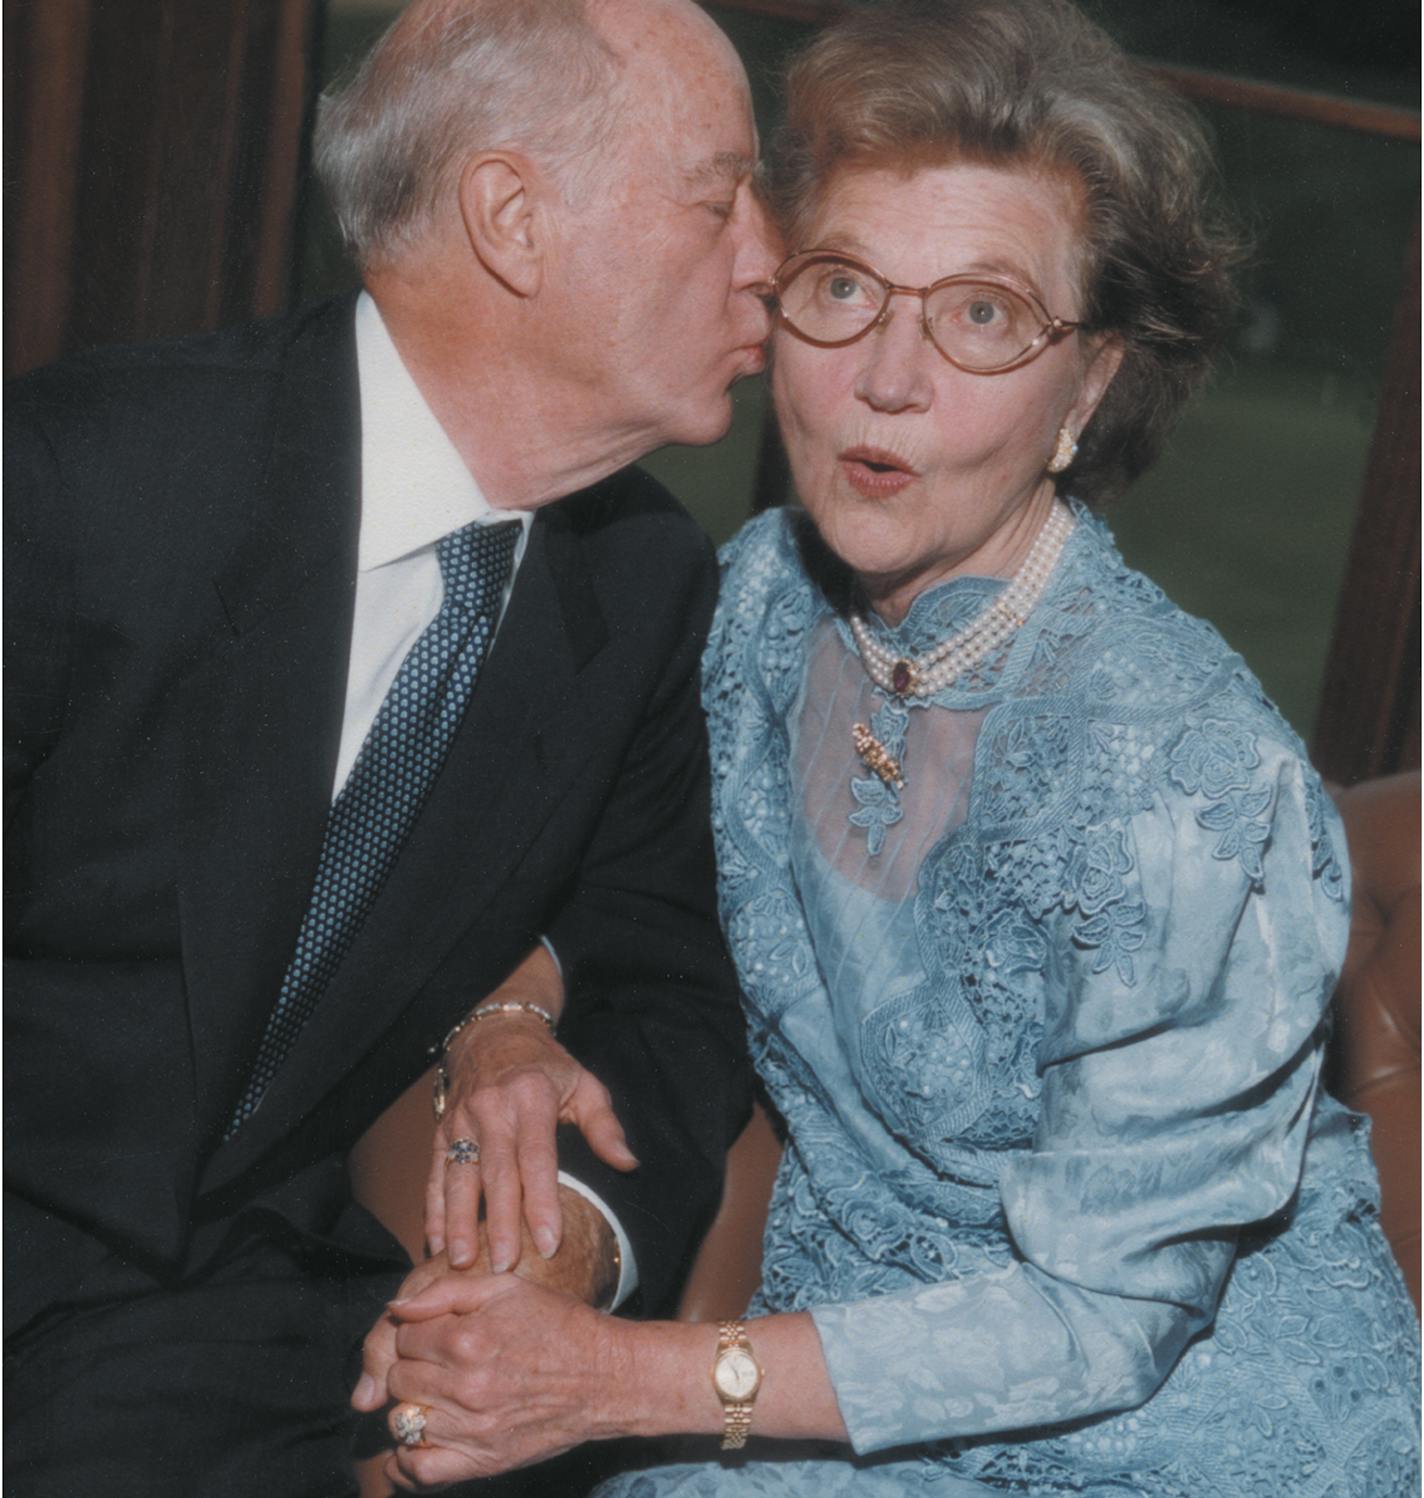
(875, 473)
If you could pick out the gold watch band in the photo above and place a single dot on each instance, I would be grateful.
(731, 1334)
(736, 1426)
(736, 1414)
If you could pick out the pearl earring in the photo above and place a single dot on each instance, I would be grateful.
(1064, 452)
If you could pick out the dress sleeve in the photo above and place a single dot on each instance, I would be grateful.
(1181, 1053)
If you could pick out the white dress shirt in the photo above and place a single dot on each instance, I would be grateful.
(415, 488)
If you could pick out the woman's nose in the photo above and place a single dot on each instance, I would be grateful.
(895, 371)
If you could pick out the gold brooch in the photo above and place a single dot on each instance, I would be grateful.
(875, 757)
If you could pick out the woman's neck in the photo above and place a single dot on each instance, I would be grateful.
(998, 555)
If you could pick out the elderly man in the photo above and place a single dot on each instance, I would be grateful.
(329, 731)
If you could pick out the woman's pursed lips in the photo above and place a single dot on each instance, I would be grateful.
(875, 472)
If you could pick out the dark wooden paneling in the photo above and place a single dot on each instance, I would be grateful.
(1369, 709)
(1304, 105)
(153, 147)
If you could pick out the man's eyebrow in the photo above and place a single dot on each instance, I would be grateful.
(725, 166)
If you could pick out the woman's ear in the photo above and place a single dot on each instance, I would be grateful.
(500, 204)
(1102, 365)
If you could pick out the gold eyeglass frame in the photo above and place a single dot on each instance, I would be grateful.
(1051, 328)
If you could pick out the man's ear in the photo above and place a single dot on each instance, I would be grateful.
(1102, 366)
(501, 195)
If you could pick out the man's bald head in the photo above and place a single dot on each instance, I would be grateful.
(552, 79)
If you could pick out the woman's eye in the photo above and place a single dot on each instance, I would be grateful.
(845, 288)
(721, 210)
(982, 312)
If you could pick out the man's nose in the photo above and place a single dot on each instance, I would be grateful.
(760, 250)
(896, 373)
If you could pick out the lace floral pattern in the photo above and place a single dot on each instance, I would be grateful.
(1055, 1153)
(1215, 759)
(1095, 885)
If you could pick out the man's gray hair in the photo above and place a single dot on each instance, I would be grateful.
(449, 80)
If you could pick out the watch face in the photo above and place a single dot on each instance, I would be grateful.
(737, 1374)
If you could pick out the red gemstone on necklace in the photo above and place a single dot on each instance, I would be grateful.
(901, 677)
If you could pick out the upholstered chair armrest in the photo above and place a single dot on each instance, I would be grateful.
(1375, 1061)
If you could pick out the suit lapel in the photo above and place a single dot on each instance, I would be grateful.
(506, 769)
(266, 709)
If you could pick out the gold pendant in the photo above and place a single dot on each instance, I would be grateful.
(873, 755)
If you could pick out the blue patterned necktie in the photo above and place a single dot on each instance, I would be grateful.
(388, 783)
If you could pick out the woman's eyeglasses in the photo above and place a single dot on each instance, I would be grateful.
(980, 325)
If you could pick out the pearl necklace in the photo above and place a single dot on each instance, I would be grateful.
(924, 675)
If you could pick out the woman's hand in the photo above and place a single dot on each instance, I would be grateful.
(511, 1085)
(585, 1268)
(507, 1373)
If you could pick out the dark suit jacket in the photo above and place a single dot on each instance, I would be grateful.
(181, 572)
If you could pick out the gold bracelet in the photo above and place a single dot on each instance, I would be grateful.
(440, 1092)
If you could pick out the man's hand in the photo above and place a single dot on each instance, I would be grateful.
(511, 1085)
(584, 1269)
(508, 1372)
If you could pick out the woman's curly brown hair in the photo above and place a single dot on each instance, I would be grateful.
(1035, 84)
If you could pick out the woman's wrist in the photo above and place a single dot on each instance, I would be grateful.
(497, 1014)
(532, 996)
(667, 1379)
(534, 990)
(662, 1380)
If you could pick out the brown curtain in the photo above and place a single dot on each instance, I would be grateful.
(153, 150)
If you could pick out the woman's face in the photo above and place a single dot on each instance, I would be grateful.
(966, 487)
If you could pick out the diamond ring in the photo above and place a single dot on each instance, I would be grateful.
(408, 1423)
(463, 1152)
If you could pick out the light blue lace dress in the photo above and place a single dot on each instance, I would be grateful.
(1061, 1192)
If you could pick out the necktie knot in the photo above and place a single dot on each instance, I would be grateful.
(475, 564)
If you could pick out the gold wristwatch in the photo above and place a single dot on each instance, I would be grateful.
(736, 1379)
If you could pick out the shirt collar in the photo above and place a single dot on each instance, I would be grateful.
(415, 487)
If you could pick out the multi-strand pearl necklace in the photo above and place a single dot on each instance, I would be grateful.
(924, 675)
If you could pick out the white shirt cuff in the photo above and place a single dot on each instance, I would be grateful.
(628, 1268)
(549, 948)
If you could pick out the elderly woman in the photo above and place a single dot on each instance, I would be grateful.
(1036, 904)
